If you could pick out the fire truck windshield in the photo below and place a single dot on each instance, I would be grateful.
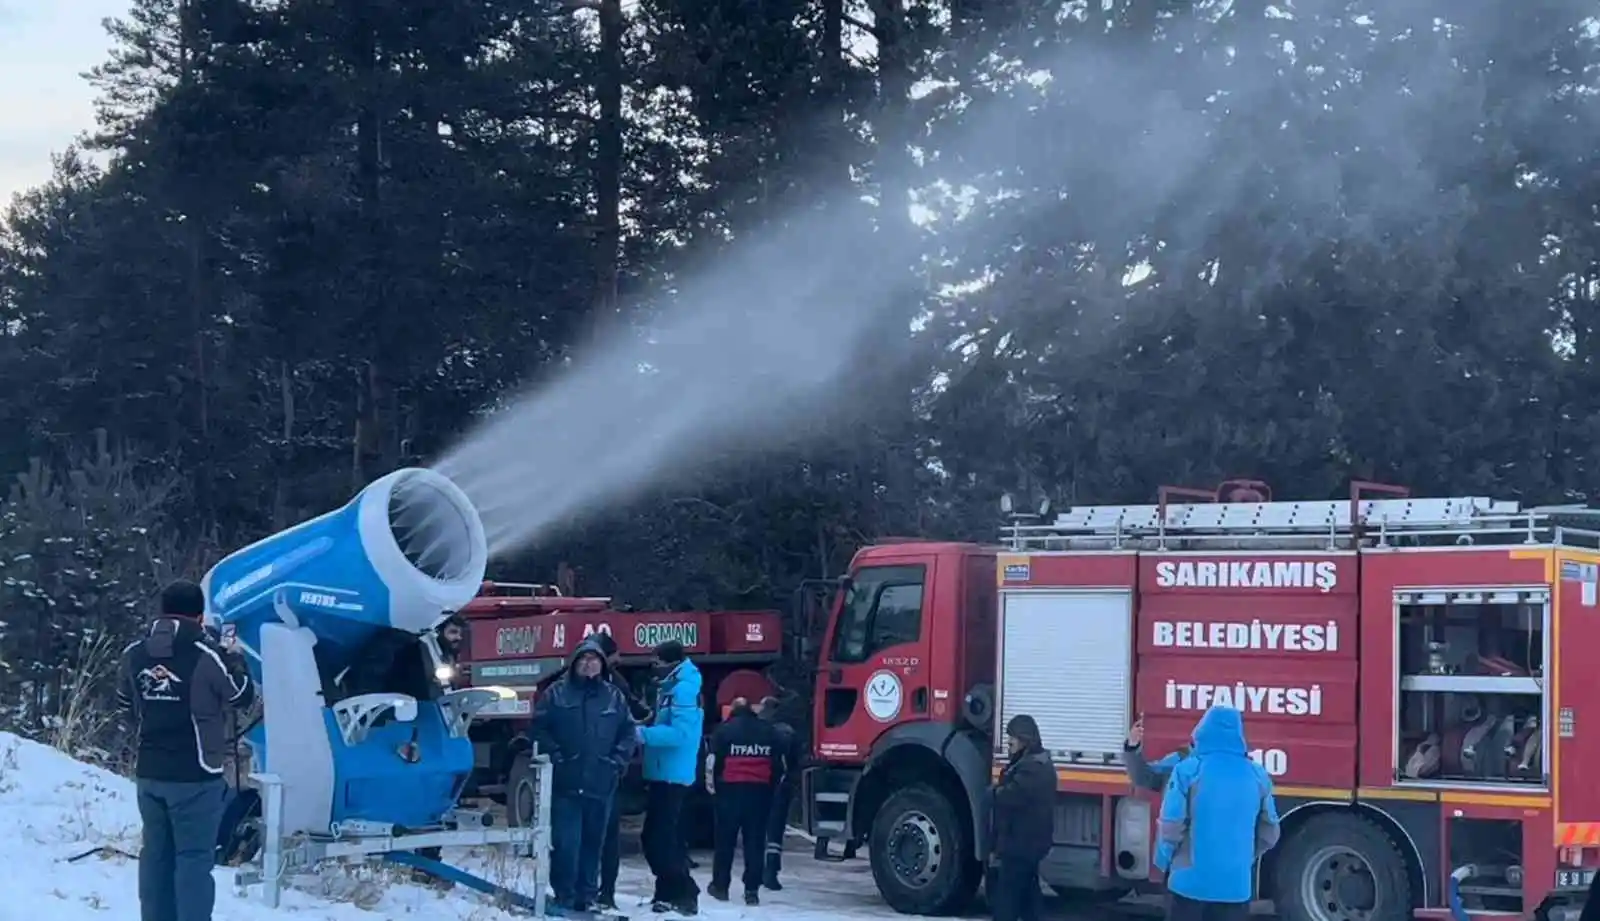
(883, 608)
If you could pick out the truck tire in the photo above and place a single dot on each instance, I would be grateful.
(1339, 866)
(522, 791)
(921, 858)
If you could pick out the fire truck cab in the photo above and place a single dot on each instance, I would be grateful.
(1412, 674)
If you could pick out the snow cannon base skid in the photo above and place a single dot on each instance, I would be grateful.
(285, 855)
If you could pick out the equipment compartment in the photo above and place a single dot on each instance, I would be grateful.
(1472, 707)
(1065, 660)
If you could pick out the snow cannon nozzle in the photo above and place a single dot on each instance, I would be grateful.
(408, 549)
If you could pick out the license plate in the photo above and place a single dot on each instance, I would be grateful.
(513, 707)
(1574, 879)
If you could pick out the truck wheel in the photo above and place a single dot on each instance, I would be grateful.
(919, 851)
(1341, 867)
(522, 792)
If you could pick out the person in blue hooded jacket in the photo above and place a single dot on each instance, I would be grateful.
(671, 745)
(1217, 818)
(582, 723)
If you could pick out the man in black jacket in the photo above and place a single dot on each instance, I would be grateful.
(581, 721)
(1023, 822)
(746, 765)
(179, 691)
(611, 852)
(778, 819)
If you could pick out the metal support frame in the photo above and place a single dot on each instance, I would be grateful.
(286, 855)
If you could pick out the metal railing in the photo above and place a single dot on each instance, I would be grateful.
(1559, 526)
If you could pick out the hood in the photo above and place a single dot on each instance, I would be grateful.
(167, 632)
(1220, 730)
(684, 680)
(588, 645)
(1025, 729)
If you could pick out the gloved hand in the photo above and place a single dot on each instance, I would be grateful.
(638, 735)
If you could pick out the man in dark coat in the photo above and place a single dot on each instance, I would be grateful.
(611, 853)
(179, 690)
(582, 723)
(1023, 817)
(778, 820)
(746, 767)
(452, 634)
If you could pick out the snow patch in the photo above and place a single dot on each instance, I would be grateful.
(73, 830)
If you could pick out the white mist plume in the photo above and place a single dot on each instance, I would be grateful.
(785, 326)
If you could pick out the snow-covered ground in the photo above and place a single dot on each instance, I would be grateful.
(54, 809)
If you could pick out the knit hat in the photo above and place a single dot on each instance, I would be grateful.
(670, 652)
(1023, 728)
(183, 599)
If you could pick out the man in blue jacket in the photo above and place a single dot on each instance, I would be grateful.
(671, 761)
(582, 723)
(1217, 818)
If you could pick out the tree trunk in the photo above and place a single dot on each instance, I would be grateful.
(369, 454)
(608, 159)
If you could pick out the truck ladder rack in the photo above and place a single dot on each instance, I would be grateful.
(1327, 525)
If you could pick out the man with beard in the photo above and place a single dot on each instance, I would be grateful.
(611, 853)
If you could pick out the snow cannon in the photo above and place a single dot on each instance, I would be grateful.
(336, 617)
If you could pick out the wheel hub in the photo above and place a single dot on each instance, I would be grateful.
(1339, 886)
(915, 849)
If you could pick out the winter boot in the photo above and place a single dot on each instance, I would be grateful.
(769, 877)
(658, 900)
(688, 905)
(752, 896)
(718, 891)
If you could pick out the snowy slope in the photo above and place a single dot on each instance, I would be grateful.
(53, 809)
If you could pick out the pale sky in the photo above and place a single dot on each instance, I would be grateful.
(45, 46)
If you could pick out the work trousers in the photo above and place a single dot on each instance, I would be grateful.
(180, 848)
(611, 855)
(778, 828)
(662, 837)
(1180, 908)
(742, 811)
(1014, 890)
(577, 836)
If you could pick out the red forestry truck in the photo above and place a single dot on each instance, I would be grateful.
(520, 635)
(1415, 674)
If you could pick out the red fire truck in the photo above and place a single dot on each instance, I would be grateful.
(519, 636)
(1412, 674)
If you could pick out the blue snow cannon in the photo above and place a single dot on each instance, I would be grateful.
(336, 617)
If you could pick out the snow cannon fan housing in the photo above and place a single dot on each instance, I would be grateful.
(404, 551)
(336, 617)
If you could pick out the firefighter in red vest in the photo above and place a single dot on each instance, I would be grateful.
(744, 769)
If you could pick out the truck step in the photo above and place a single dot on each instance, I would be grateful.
(821, 852)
